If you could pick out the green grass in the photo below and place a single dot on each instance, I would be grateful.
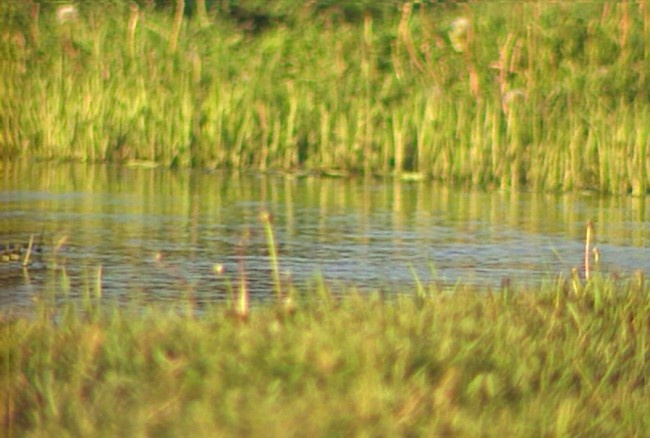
(564, 359)
(548, 96)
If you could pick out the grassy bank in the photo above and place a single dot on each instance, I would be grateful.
(562, 360)
(551, 96)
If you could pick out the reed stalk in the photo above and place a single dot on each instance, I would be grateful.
(132, 25)
(202, 13)
(177, 25)
(28, 252)
(266, 219)
(588, 250)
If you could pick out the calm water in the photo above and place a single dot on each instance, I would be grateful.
(370, 233)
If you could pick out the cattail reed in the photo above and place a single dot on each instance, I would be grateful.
(540, 95)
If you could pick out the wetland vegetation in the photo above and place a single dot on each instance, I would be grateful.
(547, 96)
(544, 96)
(565, 359)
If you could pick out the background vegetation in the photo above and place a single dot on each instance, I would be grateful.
(552, 96)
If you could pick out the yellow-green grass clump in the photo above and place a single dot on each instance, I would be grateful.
(559, 360)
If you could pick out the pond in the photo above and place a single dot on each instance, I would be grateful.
(159, 233)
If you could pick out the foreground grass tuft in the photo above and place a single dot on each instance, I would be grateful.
(562, 360)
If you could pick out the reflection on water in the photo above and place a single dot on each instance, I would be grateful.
(366, 232)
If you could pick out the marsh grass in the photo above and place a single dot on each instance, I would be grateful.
(568, 357)
(464, 362)
(549, 96)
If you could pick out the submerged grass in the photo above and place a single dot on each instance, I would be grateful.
(542, 362)
(553, 96)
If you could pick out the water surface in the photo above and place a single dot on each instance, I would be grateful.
(158, 233)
